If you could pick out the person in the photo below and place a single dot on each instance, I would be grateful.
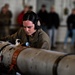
(70, 29)
(9, 13)
(4, 21)
(43, 15)
(30, 34)
(20, 16)
(53, 25)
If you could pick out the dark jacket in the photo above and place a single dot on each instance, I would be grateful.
(53, 20)
(71, 22)
(43, 17)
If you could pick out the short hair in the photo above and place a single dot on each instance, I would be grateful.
(43, 5)
(26, 6)
(6, 5)
(30, 7)
(31, 16)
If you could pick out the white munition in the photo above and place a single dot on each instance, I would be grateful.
(37, 61)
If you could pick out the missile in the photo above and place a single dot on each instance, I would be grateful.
(37, 61)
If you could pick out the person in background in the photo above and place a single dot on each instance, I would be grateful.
(43, 15)
(9, 13)
(53, 25)
(4, 18)
(70, 29)
(20, 16)
(5, 21)
(31, 33)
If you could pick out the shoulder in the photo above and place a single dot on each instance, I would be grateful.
(70, 16)
(44, 39)
(43, 35)
(56, 14)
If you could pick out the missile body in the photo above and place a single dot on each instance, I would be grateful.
(37, 61)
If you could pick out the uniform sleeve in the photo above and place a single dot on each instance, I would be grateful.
(12, 37)
(44, 41)
(45, 45)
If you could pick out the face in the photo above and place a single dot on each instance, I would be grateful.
(4, 10)
(73, 12)
(52, 9)
(26, 9)
(43, 8)
(29, 27)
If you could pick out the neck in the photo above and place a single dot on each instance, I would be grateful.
(33, 33)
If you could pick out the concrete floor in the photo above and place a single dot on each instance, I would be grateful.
(60, 48)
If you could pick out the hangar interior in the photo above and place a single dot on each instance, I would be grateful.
(62, 68)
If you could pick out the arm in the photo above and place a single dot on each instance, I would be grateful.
(57, 21)
(44, 41)
(69, 22)
(11, 38)
(45, 45)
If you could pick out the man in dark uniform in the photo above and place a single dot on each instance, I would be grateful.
(31, 34)
(53, 25)
(43, 15)
(70, 29)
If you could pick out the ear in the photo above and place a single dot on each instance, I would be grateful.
(38, 23)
